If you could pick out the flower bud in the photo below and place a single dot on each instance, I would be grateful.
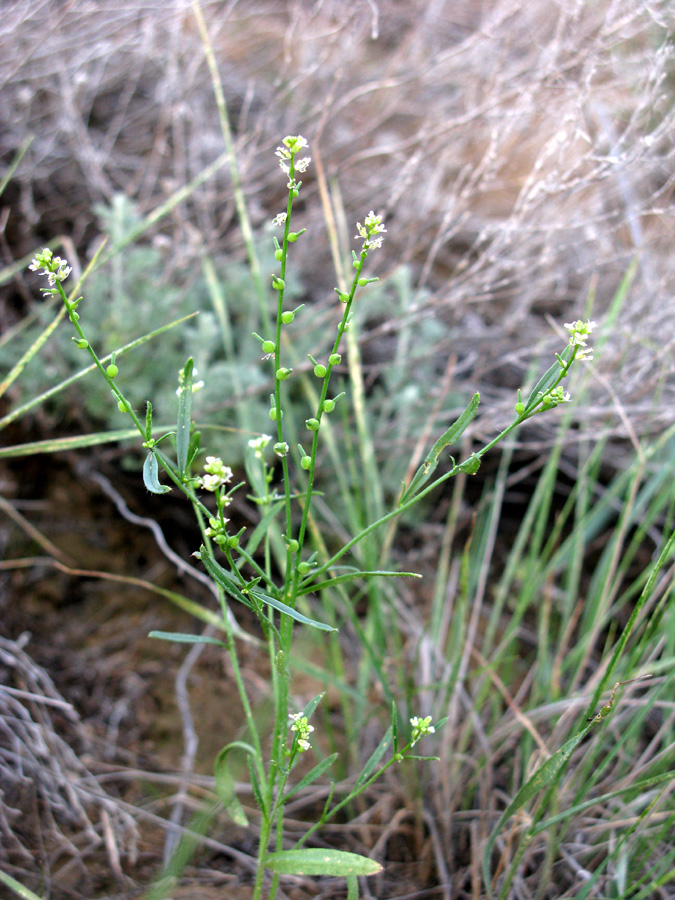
(320, 370)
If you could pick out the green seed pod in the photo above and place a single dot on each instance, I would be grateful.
(328, 405)
(306, 463)
(283, 373)
(303, 568)
(320, 370)
(81, 343)
(279, 254)
(273, 413)
(121, 405)
(335, 359)
(312, 424)
(287, 317)
(233, 541)
(362, 282)
(278, 283)
(268, 346)
(112, 370)
(520, 408)
(293, 545)
(295, 193)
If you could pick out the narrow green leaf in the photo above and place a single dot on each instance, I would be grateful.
(309, 710)
(544, 776)
(315, 861)
(312, 775)
(547, 380)
(151, 475)
(184, 417)
(231, 587)
(451, 436)
(225, 782)
(371, 765)
(351, 576)
(180, 638)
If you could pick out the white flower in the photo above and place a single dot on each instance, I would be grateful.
(372, 231)
(281, 218)
(421, 727)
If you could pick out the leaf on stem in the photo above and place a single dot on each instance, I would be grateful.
(184, 417)
(151, 475)
(379, 752)
(317, 861)
(547, 380)
(350, 576)
(451, 436)
(229, 584)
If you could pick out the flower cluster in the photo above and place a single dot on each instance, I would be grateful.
(258, 445)
(290, 146)
(579, 333)
(217, 474)
(55, 268)
(303, 729)
(420, 728)
(217, 529)
(371, 231)
(555, 397)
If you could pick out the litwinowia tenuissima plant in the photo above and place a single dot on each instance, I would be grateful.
(247, 574)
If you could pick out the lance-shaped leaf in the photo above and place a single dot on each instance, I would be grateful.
(225, 782)
(350, 576)
(316, 861)
(184, 417)
(151, 475)
(548, 379)
(451, 436)
(228, 583)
